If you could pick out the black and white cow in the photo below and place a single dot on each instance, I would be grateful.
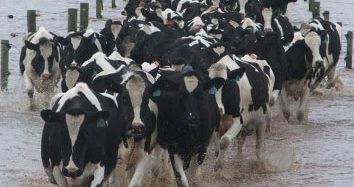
(188, 116)
(330, 48)
(79, 47)
(305, 70)
(136, 111)
(80, 137)
(39, 62)
(111, 32)
(245, 99)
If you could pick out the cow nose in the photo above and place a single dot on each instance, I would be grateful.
(137, 128)
(123, 13)
(71, 171)
(319, 63)
(242, 15)
(191, 118)
(221, 111)
(45, 76)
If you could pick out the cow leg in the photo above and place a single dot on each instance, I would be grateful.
(98, 176)
(331, 75)
(29, 89)
(177, 165)
(115, 177)
(241, 140)
(303, 104)
(216, 140)
(269, 120)
(274, 97)
(285, 104)
(260, 132)
(141, 167)
(195, 173)
(59, 178)
(225, 140)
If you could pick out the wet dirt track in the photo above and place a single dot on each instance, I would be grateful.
(319, 153)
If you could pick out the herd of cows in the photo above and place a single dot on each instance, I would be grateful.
(171, 76)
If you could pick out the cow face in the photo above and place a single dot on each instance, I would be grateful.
(136, 108)
(79, 132)
(313, 42)
(242, 4)
(45, 54)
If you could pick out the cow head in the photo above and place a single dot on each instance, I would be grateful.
(79, 47)
(313, 42)
(45, 54)
(137, 110)
(80, 126)
(242, 4)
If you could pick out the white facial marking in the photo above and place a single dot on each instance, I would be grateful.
(234, 24)
(267, 16)
(115, 28)
(74, 123)
(136, 87)
(177, 67)
(243, 6)
(75, 41)
(71, 167)
(229, 63)
(71, 77)
(279, 27)
(313, 41)
(191, 83)
(217, 70)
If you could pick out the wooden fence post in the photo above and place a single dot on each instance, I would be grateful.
(31, 21)
(316, 10)
(84, 14)
(349, 57)
(5, 46)
(114, 4)
(326, 15)
(311, 5)
(72, 19)
(99, 9)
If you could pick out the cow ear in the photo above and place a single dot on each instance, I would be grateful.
(102, 115)
(112, 86)
(62, 40)
(49, 116)
(145, 13)
(31, 46)
(108, 24)
(236, 74)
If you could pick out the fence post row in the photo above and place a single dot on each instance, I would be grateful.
(5, 46)
(316, 10)
(311, 5)
(31, 21)
(84, 13)
(114, 4)
(72, 19)
(349, 57)
(99, 8)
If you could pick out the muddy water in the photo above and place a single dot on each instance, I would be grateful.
(319, 153)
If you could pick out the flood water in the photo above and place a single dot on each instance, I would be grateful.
(319, 153)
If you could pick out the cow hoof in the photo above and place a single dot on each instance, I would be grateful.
(286, 115)
(272, 101)
(300, 116)
(224, 142)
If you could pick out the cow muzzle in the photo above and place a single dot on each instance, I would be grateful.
(137, 130)
(45, 76)
(72, 171)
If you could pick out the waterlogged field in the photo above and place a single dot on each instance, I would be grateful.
(319, 153)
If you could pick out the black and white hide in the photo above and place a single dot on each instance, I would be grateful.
(39, 62)
(80, 137)
(138, 113)
(330, 48)
(188, 116)
(244, 99)
(79, 47)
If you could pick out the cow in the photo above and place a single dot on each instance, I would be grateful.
(185, 133)
(111, 32)
(80, 137)
(244, 98)
(330, 47)
(79, 47)
(305, 70)
(39, 62)
(138, 112)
